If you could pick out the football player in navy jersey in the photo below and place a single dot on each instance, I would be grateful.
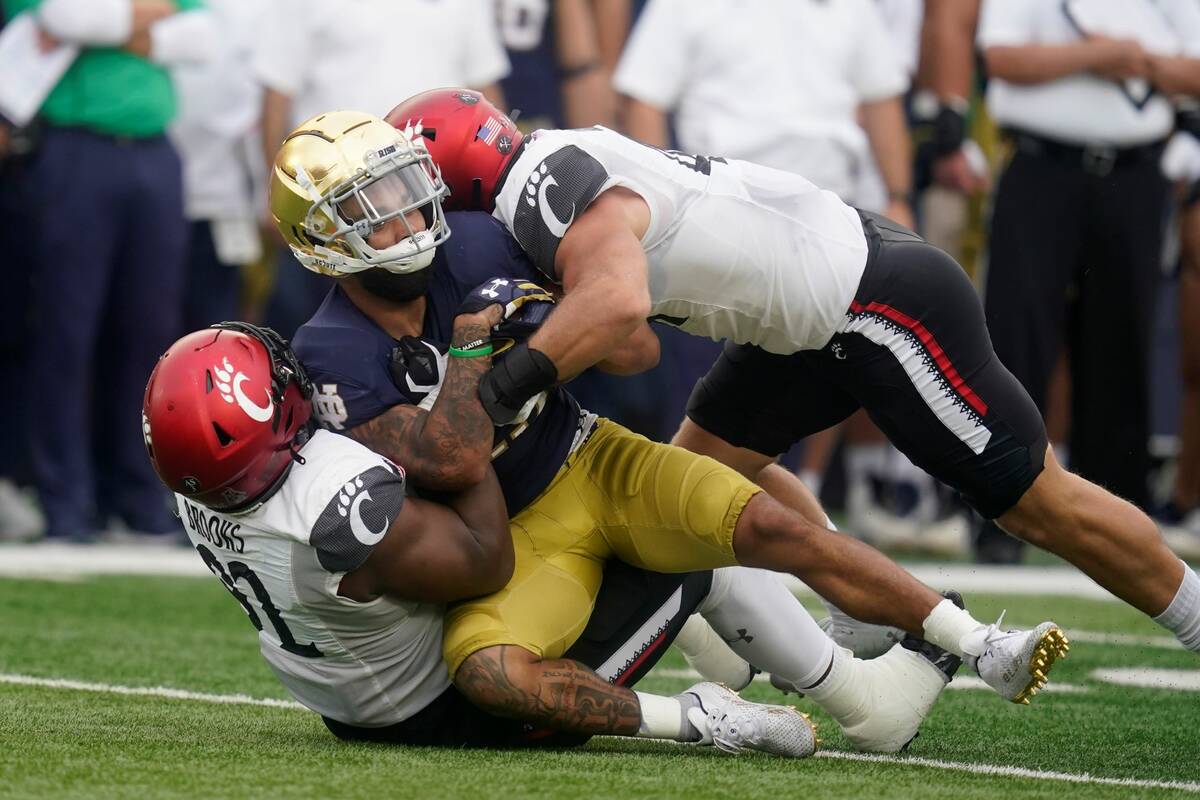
(397, 367)
(824, 309)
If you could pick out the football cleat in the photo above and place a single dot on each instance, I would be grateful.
(1015, 663)
(880, 704)
(732, 724)
(864, 639)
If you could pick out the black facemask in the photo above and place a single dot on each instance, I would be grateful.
(395, 287)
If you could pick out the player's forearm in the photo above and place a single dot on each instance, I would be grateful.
(559, 693)
(483, 510)
(448, 447)
(646, 123)
(589, 325)
(638, 353)
(1177, 75)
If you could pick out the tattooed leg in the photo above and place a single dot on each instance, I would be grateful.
(510, 681)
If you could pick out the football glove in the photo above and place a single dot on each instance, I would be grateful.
(526, 306)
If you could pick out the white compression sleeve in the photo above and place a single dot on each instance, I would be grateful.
(766, 625)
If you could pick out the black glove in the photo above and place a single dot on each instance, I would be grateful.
(508, 385)
(526, 306)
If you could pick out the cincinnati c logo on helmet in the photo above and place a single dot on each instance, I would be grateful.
(229, 383)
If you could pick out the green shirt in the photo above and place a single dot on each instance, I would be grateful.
(108, 90)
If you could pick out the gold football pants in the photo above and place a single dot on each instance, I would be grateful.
(619, 496)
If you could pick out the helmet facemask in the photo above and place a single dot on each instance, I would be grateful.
(392, 184)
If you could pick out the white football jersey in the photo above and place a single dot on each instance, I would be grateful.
(736, 250)
(368, 664)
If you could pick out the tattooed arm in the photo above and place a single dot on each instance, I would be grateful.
(448, 447)
(510, 681)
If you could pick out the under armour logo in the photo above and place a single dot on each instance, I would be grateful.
(496, 284)
(741, 637)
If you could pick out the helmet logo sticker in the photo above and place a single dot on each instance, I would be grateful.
(467, 98)
(235, 393)
(556, 226)
(146, 432)
(504, 144)
(352, 509)
(191, 485)
(489, 130)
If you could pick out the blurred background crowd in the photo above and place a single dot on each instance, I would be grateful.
(1049, 145)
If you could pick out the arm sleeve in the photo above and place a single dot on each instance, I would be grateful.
(1006, 22)
(653, 68)
(557, 190)
(187, 38)
(102, 23)
(356, 518)
(484, 58)
(284, 47)
(878, 71)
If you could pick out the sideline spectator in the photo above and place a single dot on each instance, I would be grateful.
(216, 133)
(558, 79)
(108, 228)
(324, 55)
(1083, 90)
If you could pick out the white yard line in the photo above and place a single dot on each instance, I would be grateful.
(954, 766)
(148, 691)
(1176, 680)
(1013, 772)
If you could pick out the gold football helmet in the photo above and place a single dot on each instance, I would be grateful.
(342, 175)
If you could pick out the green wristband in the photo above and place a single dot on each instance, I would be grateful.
(472, 352)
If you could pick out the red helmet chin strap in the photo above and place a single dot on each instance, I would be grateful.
(471, 141)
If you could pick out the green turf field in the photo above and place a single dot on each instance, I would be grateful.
(187, 634)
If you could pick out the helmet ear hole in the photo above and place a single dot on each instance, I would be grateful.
(288, 424)
(429, 133)
(476, 193)
(208, 381)
(224, 438)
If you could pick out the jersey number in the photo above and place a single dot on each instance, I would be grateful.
(239, 571)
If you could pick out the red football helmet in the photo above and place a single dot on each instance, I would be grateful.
(471, 142)
(224, 409)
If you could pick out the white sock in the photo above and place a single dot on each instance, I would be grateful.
(707, 653)
(766, 625)
(664, 718)
(1182, 617)
(949, 626)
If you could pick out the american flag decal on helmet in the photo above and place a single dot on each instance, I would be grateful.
(489, 130)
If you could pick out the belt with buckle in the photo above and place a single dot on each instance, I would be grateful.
(1094, 159)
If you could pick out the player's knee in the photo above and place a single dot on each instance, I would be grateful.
(766, 528)
(494, 678)
(1048, 509)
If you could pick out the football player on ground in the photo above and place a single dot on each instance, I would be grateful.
(395, 373)
(345, 573)
(824, 309)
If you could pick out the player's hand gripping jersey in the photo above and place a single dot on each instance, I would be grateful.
(368, 664)
(719, 266)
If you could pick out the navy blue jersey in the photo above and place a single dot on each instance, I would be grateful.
(357, 369)
(532, 87)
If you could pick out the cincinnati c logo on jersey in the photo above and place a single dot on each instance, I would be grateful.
(556, 226)
(229, 383)
(357, 517)
(555, 192)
